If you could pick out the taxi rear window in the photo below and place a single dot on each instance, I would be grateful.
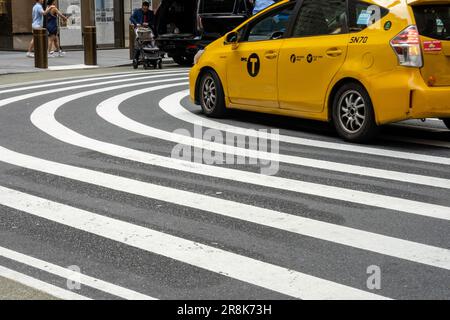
(433, 21)
(363, 14)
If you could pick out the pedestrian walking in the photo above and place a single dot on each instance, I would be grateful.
(54, 48)
(259, 5)
(142, 17)
(38, 14)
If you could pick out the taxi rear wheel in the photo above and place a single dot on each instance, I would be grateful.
(353, 114)
(447, 122)
(212, 98)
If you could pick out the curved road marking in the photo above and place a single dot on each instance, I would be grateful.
(68, 274)
(7, 101)
(39, 285)
(288, 139)
(172, 105)
(20, 84)
(44, 119)
(35, 84)
(265, 275)
(114, 116)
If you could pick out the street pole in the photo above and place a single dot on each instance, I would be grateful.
(132, 41)
(90, 45)
(40, 48)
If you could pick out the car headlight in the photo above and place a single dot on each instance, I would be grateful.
(198, 56)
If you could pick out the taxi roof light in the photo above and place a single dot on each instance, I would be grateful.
(407, 47)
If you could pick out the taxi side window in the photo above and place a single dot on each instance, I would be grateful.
(363, 14)
(272, 26)
(321, 17)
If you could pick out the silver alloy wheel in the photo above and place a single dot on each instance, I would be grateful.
(352, 111)
(209, 94)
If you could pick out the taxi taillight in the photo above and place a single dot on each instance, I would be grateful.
(407, 47)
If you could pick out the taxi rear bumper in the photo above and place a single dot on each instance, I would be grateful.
(403, 95)
(430, 102)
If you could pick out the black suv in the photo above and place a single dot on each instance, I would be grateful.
(185, 26)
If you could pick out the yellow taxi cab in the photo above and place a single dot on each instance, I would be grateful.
(358, 64)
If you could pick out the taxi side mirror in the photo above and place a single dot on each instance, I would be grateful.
(277, 35)
(233, 39)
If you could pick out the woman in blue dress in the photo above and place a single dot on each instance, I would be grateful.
(52, 28)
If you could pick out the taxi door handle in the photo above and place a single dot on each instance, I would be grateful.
(334, 52)
(270, 55)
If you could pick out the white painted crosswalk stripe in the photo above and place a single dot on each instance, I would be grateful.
(72, 80)
(44, 119)
(415, 252)
(173, 107)
(109, 110)
(15, 99)
(214, 124)
(269, 276)
(28, 84)
(69, 274)
(39, 285)
(226, 263)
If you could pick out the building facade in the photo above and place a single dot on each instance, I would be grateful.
(109, 16)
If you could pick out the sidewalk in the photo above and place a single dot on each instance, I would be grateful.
(17, 62)
(11, 290)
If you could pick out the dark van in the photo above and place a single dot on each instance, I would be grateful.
(185, 26)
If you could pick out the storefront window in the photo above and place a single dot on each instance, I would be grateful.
(71, 31)
(104, 19)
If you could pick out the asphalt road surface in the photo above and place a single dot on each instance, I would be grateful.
(95, 204)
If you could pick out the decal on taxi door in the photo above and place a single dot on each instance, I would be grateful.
(253, 65)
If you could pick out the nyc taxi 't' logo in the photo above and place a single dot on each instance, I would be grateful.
(253, 65)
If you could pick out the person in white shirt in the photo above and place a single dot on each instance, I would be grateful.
(38, 22)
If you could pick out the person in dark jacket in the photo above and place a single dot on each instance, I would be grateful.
(142, 17)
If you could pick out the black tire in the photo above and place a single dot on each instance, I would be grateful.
(183, 60)
(353, 115)
(160, 65)
(211, 95)
(447, 122)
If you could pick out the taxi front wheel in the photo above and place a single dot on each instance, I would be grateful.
(212, 98)
(447, 122)
(353, 114)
